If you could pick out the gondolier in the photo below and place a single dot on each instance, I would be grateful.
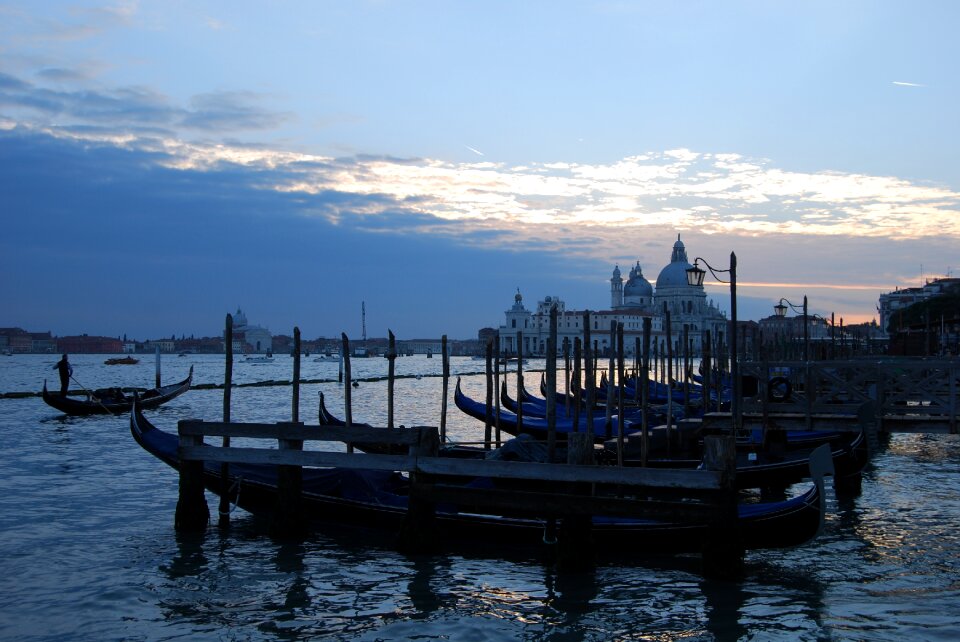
(66, 371)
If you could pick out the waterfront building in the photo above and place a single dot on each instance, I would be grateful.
(892, 302)
(250, 338)
(630, 303)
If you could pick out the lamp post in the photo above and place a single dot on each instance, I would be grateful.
(695, 277)
(781, 311)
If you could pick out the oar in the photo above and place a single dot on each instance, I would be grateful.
(93, 396)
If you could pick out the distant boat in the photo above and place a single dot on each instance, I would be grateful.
(263, 359)
(121, 361)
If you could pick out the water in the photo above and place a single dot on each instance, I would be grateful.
(89, 552)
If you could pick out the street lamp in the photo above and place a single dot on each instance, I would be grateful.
(781, 311)
(695, 277)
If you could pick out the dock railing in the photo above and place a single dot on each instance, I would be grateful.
(910, 395)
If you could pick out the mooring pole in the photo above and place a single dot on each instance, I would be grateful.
(496, 390)
(519, 381)
(589, 379)
(158, 366)
(668, 328)
(347, 401)
(620, 427)
(488, 413)
(446, 382)
(391, 369)
(611, 364)
(645, 392)
(551, 385)
(296, 375)
(575, 385)
(223, 510)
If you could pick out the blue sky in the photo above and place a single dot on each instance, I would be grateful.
(162, 163)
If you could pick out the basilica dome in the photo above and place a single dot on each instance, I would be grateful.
(674, 275)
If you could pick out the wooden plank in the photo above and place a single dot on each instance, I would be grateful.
(501, 501)
(297, 458)
(285, 430)
(647, 477)
(652, 478)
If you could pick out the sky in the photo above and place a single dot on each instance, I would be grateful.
(164, 163)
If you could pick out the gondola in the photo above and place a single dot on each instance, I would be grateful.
(378, 500)
(113, 401)
(537, 426)
(756, 468)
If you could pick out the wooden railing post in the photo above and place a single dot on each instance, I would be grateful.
(723, 550)
(418, 533)
(288, 520)
(192, 512)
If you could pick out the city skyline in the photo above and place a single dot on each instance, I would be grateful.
(163, 164)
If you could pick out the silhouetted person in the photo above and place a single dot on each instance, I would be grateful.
(65, 369)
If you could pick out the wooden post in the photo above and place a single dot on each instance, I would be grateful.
(418, 533)
(488, 415)
(566, 376)
(611, 364)
(645, 392)
(446, 385)
(288, 519)
(347, 400)
(158, 366)
(637, 368)
(223, 508)
(723, 547)
(707, 373)
(296, 375)
(620, 426)
(519, 381)
(953, 373)
(588, 376)
(686, 370)
(669, 331)
(575, 386)
(192, 513)
(496, 388)
(391, 372)
(552, 385)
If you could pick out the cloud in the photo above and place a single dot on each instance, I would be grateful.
(907, 84)
(136, 108)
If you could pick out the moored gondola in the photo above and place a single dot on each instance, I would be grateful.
(379, 499)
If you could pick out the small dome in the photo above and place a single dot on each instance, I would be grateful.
(518, 297)
(616, 272)
(637, 285)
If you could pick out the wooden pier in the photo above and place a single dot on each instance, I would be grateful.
(576, 491)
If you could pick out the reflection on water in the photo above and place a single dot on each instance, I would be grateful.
(89, 551)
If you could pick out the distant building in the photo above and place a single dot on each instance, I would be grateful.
(891, 302)
(90, 345)
(16, 340)
(630, 304)
(250, 338)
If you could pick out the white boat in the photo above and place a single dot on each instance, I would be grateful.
(259, 359)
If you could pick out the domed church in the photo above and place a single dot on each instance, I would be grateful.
(630, 303)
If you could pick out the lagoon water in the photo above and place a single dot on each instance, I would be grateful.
(88, 550)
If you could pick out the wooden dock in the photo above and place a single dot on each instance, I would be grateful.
(576, 491)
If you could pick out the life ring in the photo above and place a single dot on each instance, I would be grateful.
(779, 389)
